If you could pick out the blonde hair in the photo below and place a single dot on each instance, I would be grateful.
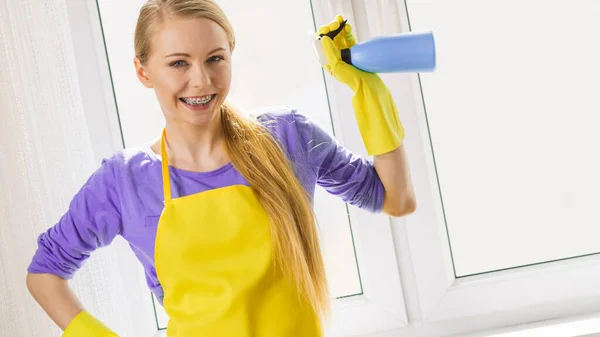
(257, 156)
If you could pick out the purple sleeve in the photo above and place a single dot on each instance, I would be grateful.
(337, 170)
(91, 221)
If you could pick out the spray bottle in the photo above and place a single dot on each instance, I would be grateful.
(405, 52)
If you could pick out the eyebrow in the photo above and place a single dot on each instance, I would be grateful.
(188, 55)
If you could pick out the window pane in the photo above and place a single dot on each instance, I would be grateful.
(265, 73)
(513, 111)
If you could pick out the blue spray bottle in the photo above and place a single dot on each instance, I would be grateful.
(405, 52)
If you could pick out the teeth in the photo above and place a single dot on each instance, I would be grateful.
(198, 101)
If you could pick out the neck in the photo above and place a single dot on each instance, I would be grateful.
(196, 148)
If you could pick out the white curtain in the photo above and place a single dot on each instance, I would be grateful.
(370, 18)
(383, 16)
(45, 156)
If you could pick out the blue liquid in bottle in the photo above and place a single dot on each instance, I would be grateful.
(405, 52)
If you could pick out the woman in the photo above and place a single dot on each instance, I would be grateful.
(218, 209)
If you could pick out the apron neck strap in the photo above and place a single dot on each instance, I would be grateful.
(165, 167)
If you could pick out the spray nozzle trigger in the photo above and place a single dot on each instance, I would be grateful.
(334, 33)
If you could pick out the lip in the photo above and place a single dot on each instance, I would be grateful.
(198, 96)
(198, 107)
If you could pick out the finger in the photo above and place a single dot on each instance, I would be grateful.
(348, 36)
(323, 30)
(331, 52)
(346, 41)
(342, 44)
(333, 25)
(339, 18)
(337, 40)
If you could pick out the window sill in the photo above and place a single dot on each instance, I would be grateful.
(587, 326)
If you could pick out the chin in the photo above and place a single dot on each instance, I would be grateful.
(203, 119)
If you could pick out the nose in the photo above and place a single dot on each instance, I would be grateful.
(199, 77)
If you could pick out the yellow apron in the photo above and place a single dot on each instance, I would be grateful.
(214, 259)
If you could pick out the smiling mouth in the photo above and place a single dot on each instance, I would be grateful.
(197, 101)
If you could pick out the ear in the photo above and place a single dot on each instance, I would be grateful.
(141, 73)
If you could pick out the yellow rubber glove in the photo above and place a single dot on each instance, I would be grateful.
(85, 325)
(374, 108)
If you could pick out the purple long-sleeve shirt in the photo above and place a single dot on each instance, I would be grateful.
(124, 196)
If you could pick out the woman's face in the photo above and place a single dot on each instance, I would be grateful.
(189, 68)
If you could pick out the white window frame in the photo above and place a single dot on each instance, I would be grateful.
(379, 308)
(439, 304)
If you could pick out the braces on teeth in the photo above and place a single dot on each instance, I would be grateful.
(197, 101)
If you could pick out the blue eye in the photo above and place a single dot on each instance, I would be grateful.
(178, 64)
(216, 59)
